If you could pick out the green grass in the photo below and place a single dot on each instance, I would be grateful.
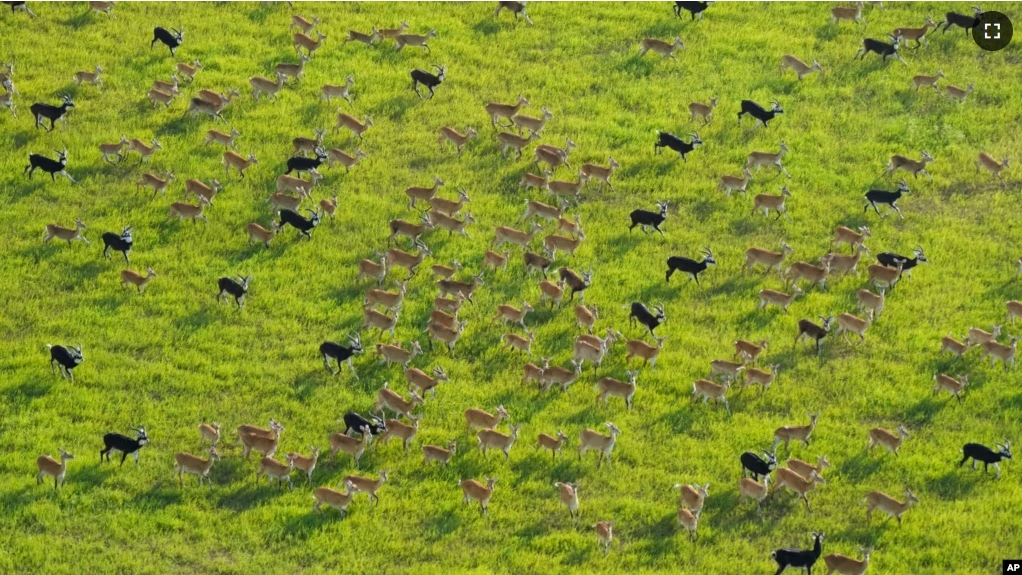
(172, 358)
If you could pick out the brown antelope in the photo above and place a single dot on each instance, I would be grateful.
(883, 276)
(703, 111)
(65, 234)
(533, 261)
(402, 259)
(156, 183)
(388, 398)
(102, 6)
(114, 149)
(549, 290)
(707, 389)
(497, 110)
(844, 235)
(333, 498)
(372, 270)
(414, 40)
(172, 87)
(490, 438)
(209, 432)
(217, 99)
(249, 429)
(83, 77)
(750, 351)
(1014, 310)
(369, 486)
(338, 156)
(343, 91)
(804, 469)
(586, 317)
(267, 445)
(648, 353)
(665, 49)
(999, 351)
(888, 439)
(887, 504)
(988, 163)
(476, 491)
(389, 300)
(779, 299)
(444, 271)
(749, 487)
(928, 81)
(568, 495)
(449, 134)
(533, 181)
(349, 122)
(562, 376)
(403, 431)
(257, 233)
(870, 302)
(448, 336)
(572, 227)
(726, 370)
(381, 321)
(218, 137)
(766, 258)
(692, 496)
(767, 202)
(507, 140)
(800, 68)
(603, 344)
(553, 156)
(533, 372)
(303, 24)
(451, 224)
(7, 99)
(197, 188)
(479, 419)
(200, 106)
(554, 242)
(188, 70)
(604, 535)
(367, 39)
(690, 521)
(329, 206)
(845, 565)
(978, 336)
(136, 279)
(188, 463)
(760, 159)
(289, 70)
(845, 263)
(234, 160)
(545, 211)
(909, 165)
(391, 33)
(302, 40)
(417, 193)
(853, 14)
(187, 211)
(734, 183)
(408, 229)
(566, 189)
(950, 344)
(609, 387)
(494, 261)
(145, 152)
(800, 485)
(353, 447)
(916, 34)
(303, 144)
(790, 433)
(418, 378)
(274, 469)
(755, 376)
(439, 454)
(396, 354)
(465, 289)
(847, 322)
(48, 467)
(554, 444)
(261, 85)
(586, 351)
(815, 275)
(303, 188)
(604, 444)
(508, 313)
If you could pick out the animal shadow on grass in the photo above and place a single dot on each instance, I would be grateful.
(249, 495)
(656, 539)
(93, 475)
(486, 27)
(301, 527)
(827, 32)
(395, 108)
(638, 66)
(956, 483)
(78, 21)
(194, 321)
(305, 385)
(179, 126)
(681, 420)
(24, 393)
(923, 411)
(861, 466)
(164, 496)
(441, 525)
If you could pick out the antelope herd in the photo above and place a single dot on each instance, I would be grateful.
(755, 362)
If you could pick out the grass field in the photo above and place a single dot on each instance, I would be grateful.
(172, 358)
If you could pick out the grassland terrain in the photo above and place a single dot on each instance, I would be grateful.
(172, 358)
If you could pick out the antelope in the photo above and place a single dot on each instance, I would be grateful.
(504, 235)
(988, 163)
(554, 242)
(815, 275)
(604, 535)
(665, 49)
(235, 160)
(568, 494)
(218, 137)
(508, 313)
(493, 260)
(217, 99)
(83, 77)
(262, 86)
(369, 486)
(408, 229)
(331, 91)
(533, 181)
(545, 211)
(766, 258)
(329, 206)
(7, 99)
(439, 454)
(267, 445)
(909, 165)
(145, 152)
(767, 202)
(552, 155)
(475, 491)
(734, 183)
(289, 70)
(573, 227)
(302, 40)
(690, 521)
(188, 70)
(704, 111)
(609, 387)
(188, 463)
(779, 299)
(921, 80)
(551, 291)
(257, 233)
(114, 149)
(533, 372)
(374, 319)
(708, 390)
(489, 438)
(396, 354)
(648, 353)
(755, 376)
(387, 398)
(353, 447)
(372, 270)
(889, 439)
(593, 440)
(403, 431)
(950, 344)
(466, 289)
(171, 87)
(303, 24)
(568, 189)
(303, 145)
(800, 68)
(448, 207)
(389, 300)
(1014, 310)
(853, 14)
(497, 110)
(209, 432)
(554, 444)
(333, 498)
(887, 504)
(338, 156)
(979, 337)
(956, 93)
(800, 485)
(136, 279)
(804, 469)
(870, 301)
(533, 261)
(367, 39)
(274, 469)
(916, 34)
(451, 224)
(187, 211)
(801, 433)
(562, 376)
(515, 142)
(158, 97)
(693, 496)
(400, 258)
(198, 106)
(586, 351)
(532, 123)
(845, 565)
(844, 235)
(418, 378)
(449, 134)
(479, 419)
(48, 467)
(760, 159)
(999, 351)
(65, 234)
(417, 193)
(198, 189)
(727, 370)
(749, 487)
(883, 276)
(586, 316)
(749, 351)
(391, 33)
(414, 40)
(847, 322)
(248, 429)
(102, 6)
(158, 185)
